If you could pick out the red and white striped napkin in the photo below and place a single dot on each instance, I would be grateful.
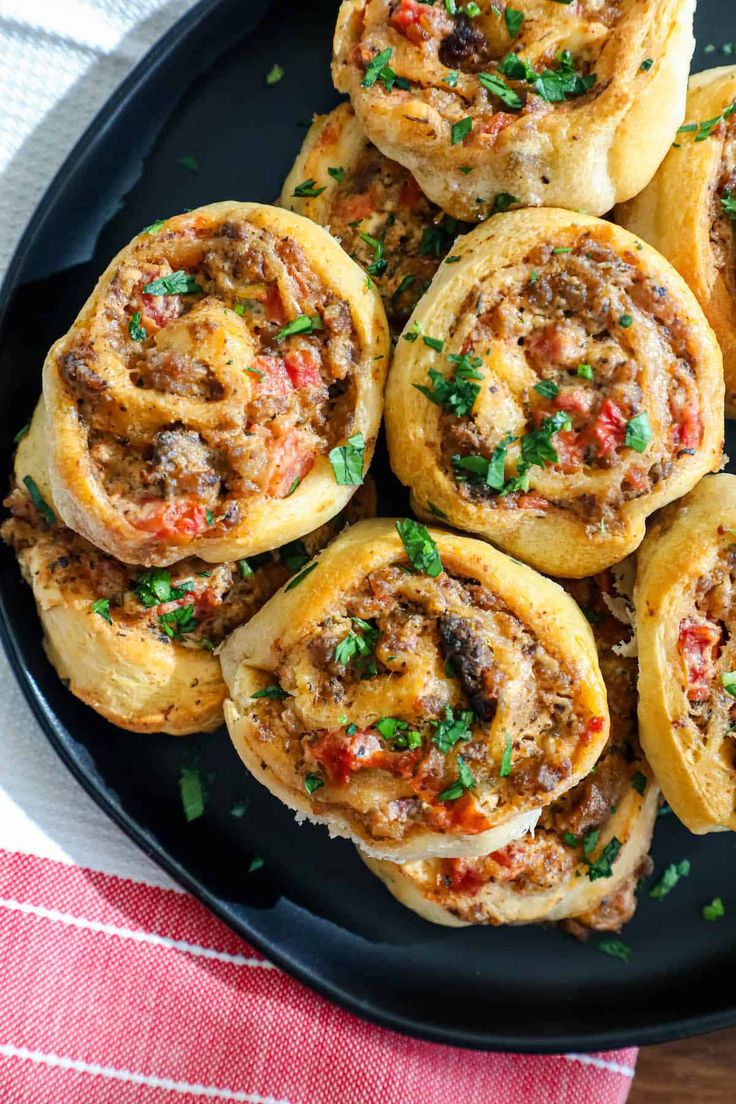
(116, 987)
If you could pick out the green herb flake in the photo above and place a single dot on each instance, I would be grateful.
(135, 329)
(38, 500)
(499, 88)
(590, 841)
(455, 395)
(638, 432)
(646, 65)
(460, 131)
(625, 321)
(273, 690)
(585, 371)
(616, 948)
(177, 283)
(716, 910)
(669, 879)
(357, 647)
(294, 555)
(178, 623)
(451, 79)
(154, 587)
(274, 75)
(548, 389)
(101, 606)
(308, 189)
(728, 681)
(464, 781)
(348, 461)
(191, 792)
(189, 163)
(603, 865)
(302, 324)
(420, 547)
(313, 782)
(337, 173)
(728, 204)
(255, 864)
(502, 202)
(513, 19)
(452, 728)
(570, 839)
(239, 809)
(505, 768)
(639, 782)
(154, 228)
(22, 432)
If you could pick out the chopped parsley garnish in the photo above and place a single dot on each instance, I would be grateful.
(647, 64)
(191, 791)
(728, 204)
(293, 487)
(248, 567)
(456, 395)
(302, 324)
(38, 500)
(625, 321)
(639, 782)
(294, 555)
(177, 623)
(239, 809)
(273, 690)
(405, 284)
(513, 19)
(715, 910)
(669, 879)
(590, 839)
(461, 130)
(505, 769)
(452, 728)
(337, 173)
(536, 446)
(431, 342)
(101, 606)
(491, 471)
(313, 782)
(177, 283)
(274, 75)
(548, 389)
(616, 948)
(379, 70)
(398, 734)
(189, 163)
(22, 432)
(451, 79)
(379, 264)
(135, 329)
(603, 865)
(585, 371)
(553, 85)
(570, 839)
(308, 190)
(154, 587)
(498, 86)
(436, 240)
(420, 548)
(436, 511)
(728, 681)
(703, 130)
(357, 647)
(502, 202)
(300, 578)
(255, 864)
(463, 782)
(154, 228)
(347, 461)
(638, 432)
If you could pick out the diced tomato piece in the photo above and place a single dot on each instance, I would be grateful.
(553, 345)
(290, 461)
(609, 428)
(596, 724)
(568, 451)
(688, 432)
(274, 307)
(491, 128)
(354, 207)
(275, 380)
(410, 194)
(638, 478)
(342, 755)
(575, 400)
(178, 520)
(698, 643)
(303, 368)
(462, 875)
(407, 13)
(159, 310)
(462, 815)
(532, 501)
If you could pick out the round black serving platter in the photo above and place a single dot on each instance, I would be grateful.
(312, 906)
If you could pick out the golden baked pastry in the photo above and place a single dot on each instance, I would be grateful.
(374, 207)
(220, 392)
(687, 212)
(135, 644)
(417, 692)
(686, 619)
(553, 388)
(553, 104)
(583, 860)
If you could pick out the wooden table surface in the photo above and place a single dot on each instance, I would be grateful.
(694, 1071)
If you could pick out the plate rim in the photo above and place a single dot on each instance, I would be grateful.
(491, 1041)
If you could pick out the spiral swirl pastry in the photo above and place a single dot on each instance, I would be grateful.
(137, 645)
(688, 210)
(374, 207)
(417, 692)
(220, 392)
(582, 863)
(554, 387)
(685, 600)
(548, 104)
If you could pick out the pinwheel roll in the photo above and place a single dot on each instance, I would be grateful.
(135, 644)
(554, 104)
(687, 212)
(220, 392)
(554, 387)
(582, 862)
(420, 698)
(374, 207)
(686, 629)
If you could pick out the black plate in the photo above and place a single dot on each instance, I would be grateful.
(313, 908)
